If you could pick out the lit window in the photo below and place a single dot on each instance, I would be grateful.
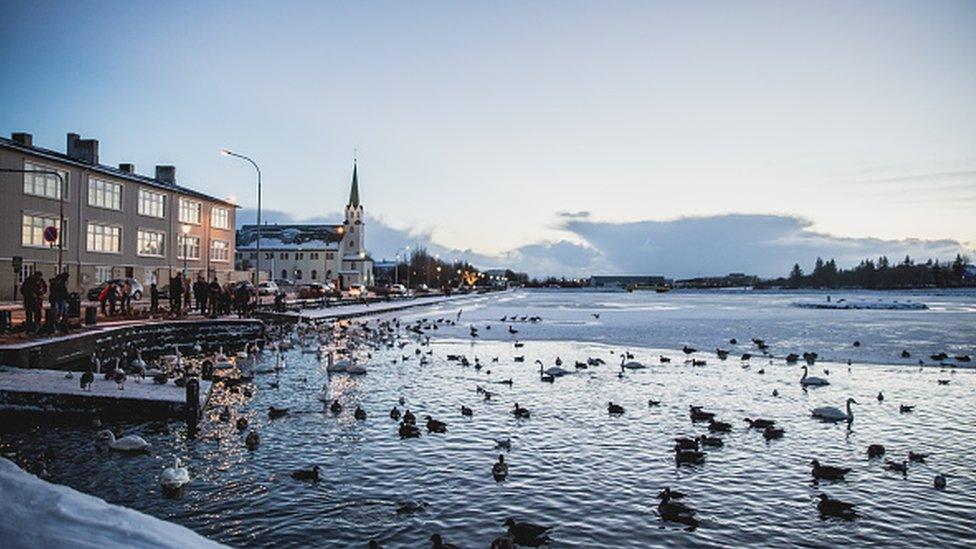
(189, 247)
(219, 250)
(104, 194)
(104, 238)
(103, 273)
(151, 243)
(33, 226)
(151, 203)
(220, 217)
(41, 184)
(189, 211)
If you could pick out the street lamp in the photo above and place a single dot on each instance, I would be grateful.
(61, 191)
(185, 229)
(257, 268)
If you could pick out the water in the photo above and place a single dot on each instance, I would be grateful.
(572, 466)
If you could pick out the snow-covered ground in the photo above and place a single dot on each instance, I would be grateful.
(857, 304)
(37, 513)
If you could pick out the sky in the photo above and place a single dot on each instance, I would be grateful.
(682, 138)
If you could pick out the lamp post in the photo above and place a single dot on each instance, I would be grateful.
(257, 268)
(61, 191)
(185, 229)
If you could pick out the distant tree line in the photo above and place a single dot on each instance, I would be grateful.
(880, 273)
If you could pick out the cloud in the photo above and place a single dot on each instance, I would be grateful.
(767, 245)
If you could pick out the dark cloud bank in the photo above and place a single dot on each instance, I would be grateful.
(767, 245)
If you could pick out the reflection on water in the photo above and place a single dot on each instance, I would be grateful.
(573, 466)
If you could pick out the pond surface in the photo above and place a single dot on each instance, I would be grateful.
(591, 476)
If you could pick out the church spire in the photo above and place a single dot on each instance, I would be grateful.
(354, 191)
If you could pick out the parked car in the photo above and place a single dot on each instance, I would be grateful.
(356, 290)
(269, 287)
(137, 289)
(422, 289)
(283, 282)
(312, 290)
(397, 289)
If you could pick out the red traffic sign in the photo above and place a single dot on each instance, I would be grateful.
(51, 234)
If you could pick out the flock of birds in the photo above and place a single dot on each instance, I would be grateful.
(343, 346)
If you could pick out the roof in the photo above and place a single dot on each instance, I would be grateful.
(354, 191)
(291, 237)
(108, 170)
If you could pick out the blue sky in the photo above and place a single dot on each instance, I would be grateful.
(477, 124)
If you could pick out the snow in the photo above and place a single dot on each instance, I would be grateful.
(53, 382)
(347, 311)
(37, 513)
(878, 305)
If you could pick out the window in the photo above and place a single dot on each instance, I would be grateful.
(314, 255)
(104, 238)
(104, 194)
(269, 255)
(284, 273)
(41, 184)
(219, 250)
(189, 211)
(26, 269)
(189, 247)
(152, 203)
(151, 243)
(298, 274)
(103, 273)
(330, 255)
(254, 255)
(219, 217)
(315, 274)
(299, 255)
(284, 255)
(33, 226)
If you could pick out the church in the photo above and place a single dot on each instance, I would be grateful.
(306, 253)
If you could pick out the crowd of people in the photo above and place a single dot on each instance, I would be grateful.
(115, 298)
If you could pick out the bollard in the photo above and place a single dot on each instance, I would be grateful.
(207, 370)
(192, 404)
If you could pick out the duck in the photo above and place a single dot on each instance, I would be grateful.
(224, 414)
(759, 423)
(719, 426)
(832, 413)
(663, 359)
(829, 507)
(713, 442)
(880, 396)
(940, 482)
(408, 417)
(651, 403)
(808, 381)
(252, 440)
(335, 407)
(465, 411)
(722, 354)
(500, 469)
(359, 414)
(174, 478)
(435, 426)
(697, 414)
(828, 472)
(915, 457)
(526, 533)
(275, 413)
(691, 457)
(242, 423)
(688, 350)
(686, 443)
(310, 475)
(503, 443)
(875, 451)
(897, 466)
(906, 354)
(770, 433)
(87, 379)
(408, 430)
(395, 413)
(675, 511)
(437, 542)
(519, 412)
(615, 409)
(129, 443)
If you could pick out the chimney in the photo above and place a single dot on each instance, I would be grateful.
(128, 168)
(84, 150)
(25, 139)
(166, 174)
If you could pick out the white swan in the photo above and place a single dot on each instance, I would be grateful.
(138, 364)
(221, 361)
(129, 443)
(323, 395)
(279, 362)
(173, 361)
(355, 369)
(174, 478)
(335, 366)
(554, 371)
(630, 365)
(833, 413)
(811, 380)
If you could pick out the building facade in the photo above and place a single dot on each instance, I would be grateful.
(306, 253)
(117, 223)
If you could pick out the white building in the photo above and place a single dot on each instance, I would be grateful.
(306, 253)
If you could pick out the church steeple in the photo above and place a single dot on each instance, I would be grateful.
(354, 191)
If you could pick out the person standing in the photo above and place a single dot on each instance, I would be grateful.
(187, 293)
(176, 294)
(40, 289)
(126, 297)
(59, 299)
(27, 293)
(113, 297)
(153, 298)
(214, 290)
(200, 293)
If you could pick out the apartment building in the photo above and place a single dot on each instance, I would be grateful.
(117, 223)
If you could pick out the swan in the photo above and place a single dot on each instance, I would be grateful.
(554, 371)
(832, 413)
(810, 380)
(129, 443)
(138, 364)
(355, 369)
(631, 365)
(174, 478)
(221, 361)
(337, 365)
